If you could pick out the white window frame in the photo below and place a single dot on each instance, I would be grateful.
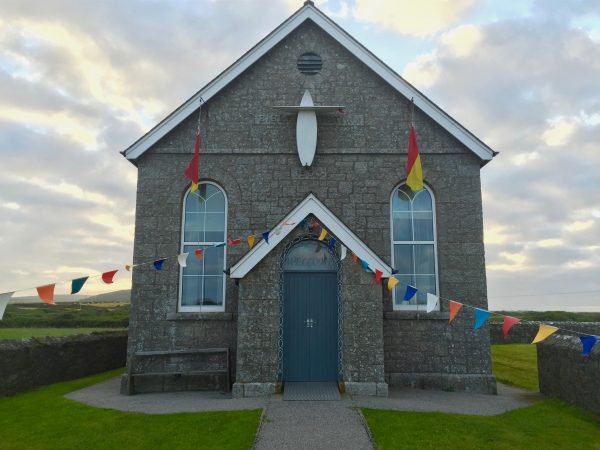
(200, 308)
(404, 306)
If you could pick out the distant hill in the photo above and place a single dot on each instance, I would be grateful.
(115, 296)
(550, 316)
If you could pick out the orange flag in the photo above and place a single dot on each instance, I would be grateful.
(454, 308)
(198, 253)
(46, 293)
(251, 241)
(508, 324)
(354, 258)
(543, 332)
(107, 277)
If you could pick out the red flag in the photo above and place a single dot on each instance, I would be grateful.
(107, 277)
(198, 253)
(354, 258)
(508, 324)
(191, 173)
(414, 172)
(46, 293)
(378, 274)
(454, 308)
(234, 241)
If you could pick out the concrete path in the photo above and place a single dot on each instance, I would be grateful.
(312, 425)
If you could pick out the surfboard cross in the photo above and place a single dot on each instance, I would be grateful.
(306, 126)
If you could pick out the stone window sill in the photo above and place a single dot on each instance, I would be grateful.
(223, 316)
(414, 315)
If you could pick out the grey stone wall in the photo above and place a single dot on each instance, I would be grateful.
(32, 362)
(564, 373)
(249, 149)
(524, 332)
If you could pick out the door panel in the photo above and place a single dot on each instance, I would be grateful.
(310, 326)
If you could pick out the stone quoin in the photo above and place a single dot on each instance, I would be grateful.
(292, 309)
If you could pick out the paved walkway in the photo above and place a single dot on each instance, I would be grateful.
(310, 424)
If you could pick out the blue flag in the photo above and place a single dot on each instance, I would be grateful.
(77, 284)
(332, 243)
(159, 263)
(365, 266)
(481, 315)
(266, 236)
(588, 343)
(409, 293)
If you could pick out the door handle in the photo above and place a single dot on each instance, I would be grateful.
(310, 323)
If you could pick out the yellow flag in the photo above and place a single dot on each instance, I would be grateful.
(543, 333)
(323, 234)
(251, 241)
(127, 267)
(392, 282)
(194, 187)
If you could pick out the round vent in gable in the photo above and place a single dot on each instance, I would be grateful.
(309, 63)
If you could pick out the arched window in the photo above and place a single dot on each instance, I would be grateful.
(202, 282)
(414, 245)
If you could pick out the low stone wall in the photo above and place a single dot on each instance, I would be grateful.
(27, 363)
(566, 374)
(523, 333)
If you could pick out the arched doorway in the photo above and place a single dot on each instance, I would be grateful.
(310, 313)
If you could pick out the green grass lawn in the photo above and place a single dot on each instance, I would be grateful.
(548, 424)
(43, 419)
(20, 333)
(516, 364)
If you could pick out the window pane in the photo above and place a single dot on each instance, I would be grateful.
(193, 202)
(400, 288)
(213, 290)
(194, 226)
(215, 226)
(422, 201)
(402, 226)
(425, 284)
(400, 201)
(403, 258)
(216, 202)
(424, 259)
(213, 261)
(194, 266)
(423, 223)
(191, 290)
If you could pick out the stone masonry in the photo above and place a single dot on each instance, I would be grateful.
(249, 149)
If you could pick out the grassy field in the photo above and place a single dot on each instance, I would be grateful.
(43, 419)
(20, 333)
(66, 315)
(516, 364)
(550, 316)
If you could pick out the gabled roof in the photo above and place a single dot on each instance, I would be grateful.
(310, 205)
(310, 12)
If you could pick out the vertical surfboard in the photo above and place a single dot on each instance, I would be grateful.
(306, 131)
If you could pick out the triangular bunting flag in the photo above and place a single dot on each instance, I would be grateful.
(265, 236)
(343, 253)
(323, 234)
(432, 301)
(191, 173)
(46, 293)
(220, 244)
(251, 241)
(409, 293)
(302, 223)
(4, 298)
(378, 274)
(77, 284)
(198, 253)
(587, 342)
(543, 332)
(127, 267)
(392, 282)
(365, 266)
(233, 242)
(107, 277)
(481, 315)
(182, 259)
(277, 230)
(414, 172)
(509, 322)
(354, 258)
(454, 309)
(158, 264)
(332, 243)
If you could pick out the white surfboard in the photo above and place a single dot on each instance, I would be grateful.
(306, 131)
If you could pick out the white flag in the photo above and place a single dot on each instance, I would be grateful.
(344, 250)
(432, 301)
(4, 298)
(182, 259)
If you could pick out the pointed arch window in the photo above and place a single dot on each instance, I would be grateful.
(414, 245)
(202, 282)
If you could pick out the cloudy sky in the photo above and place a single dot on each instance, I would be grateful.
(81, 80)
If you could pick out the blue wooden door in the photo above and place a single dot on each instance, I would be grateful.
(310, 326)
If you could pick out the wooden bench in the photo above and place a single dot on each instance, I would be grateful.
(131, 375)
